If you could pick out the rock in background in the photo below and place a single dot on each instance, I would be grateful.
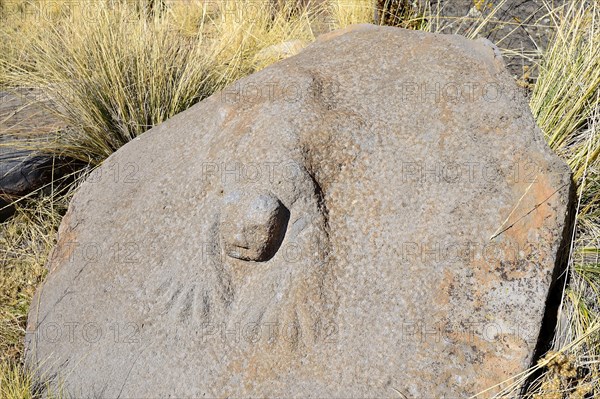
(378, 214)
(24, 114)
(521, 26)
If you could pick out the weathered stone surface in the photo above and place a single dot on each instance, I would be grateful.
(422, 214)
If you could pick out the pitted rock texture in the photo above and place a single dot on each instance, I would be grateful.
(378, 214)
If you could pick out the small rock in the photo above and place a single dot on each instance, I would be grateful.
(22, 172)
(253, 225)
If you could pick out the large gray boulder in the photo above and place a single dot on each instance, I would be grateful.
(376, 215)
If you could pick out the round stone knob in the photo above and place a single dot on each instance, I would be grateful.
(253, 225)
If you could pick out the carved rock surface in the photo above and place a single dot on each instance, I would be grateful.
(397, 216)
(252, 225)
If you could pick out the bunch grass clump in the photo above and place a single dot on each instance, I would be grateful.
(17, 383)
(114, 71)
(566, 93)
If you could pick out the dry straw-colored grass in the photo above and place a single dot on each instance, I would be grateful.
(25, 243)
(115, 69)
